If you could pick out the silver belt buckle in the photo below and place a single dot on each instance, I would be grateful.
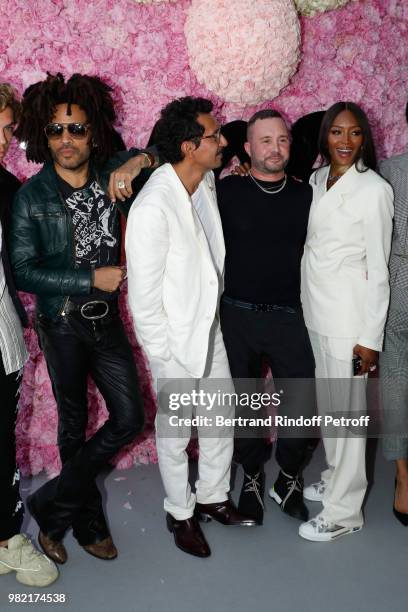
(93, 303)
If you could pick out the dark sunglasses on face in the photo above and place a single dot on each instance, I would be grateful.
(76, 130)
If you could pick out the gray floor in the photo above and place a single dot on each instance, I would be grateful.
(264, 568)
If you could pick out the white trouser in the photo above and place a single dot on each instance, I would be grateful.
(346, 473)
(216, 443)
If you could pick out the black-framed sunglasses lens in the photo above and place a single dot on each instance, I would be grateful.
(76, 130)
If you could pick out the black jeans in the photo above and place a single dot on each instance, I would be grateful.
(75, 348)
(11, 507)
(281, 339)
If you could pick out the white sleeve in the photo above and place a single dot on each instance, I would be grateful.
(378, 214)
(147, 245)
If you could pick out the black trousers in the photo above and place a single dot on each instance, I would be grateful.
(11, 507)
(75, 348)
(281, 339)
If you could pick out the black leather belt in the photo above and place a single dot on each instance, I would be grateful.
(92, 310)
(257, 307)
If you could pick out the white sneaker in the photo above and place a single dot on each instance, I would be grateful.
(315, 491)
(319, 529)
(32, 567)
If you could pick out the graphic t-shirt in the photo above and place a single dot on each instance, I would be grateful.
(96, 229)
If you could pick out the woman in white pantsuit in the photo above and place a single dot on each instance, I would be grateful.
(345, 294)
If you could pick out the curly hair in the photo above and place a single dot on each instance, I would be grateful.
(8, 98)
(178, 123)
(367, 152)
(89, 92)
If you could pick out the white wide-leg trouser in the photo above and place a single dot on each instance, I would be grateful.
(215, 443)
(341, 394)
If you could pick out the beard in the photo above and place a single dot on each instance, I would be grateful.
(75, 161)
(219, 158)
(270, 167)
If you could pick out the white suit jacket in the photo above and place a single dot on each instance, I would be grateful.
(345, 288)
(173, 283)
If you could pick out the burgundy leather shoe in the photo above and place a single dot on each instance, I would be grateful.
(224, 512)
(188, 536)
(105, 549)
(54, 549)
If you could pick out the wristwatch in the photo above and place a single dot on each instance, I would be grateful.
(150, 158)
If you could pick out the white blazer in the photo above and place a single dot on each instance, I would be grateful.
(173, 283)
(345, 288)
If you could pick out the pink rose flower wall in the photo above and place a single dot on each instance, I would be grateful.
(250, 52)
(359, 52)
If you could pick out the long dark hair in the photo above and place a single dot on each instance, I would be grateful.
(89, 92)
(367, 153)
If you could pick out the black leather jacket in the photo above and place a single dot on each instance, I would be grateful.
(42, 249)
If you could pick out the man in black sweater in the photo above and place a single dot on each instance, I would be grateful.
(264, 217)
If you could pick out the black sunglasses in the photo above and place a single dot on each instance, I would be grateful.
(76, 130)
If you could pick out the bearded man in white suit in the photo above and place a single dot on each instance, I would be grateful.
(175, 256)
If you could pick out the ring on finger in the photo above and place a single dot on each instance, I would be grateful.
(121, 184)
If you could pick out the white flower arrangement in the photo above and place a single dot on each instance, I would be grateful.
(311, 7)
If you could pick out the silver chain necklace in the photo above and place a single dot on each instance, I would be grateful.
(270, 190)
(333, 178)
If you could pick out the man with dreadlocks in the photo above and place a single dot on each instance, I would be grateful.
(65, 248)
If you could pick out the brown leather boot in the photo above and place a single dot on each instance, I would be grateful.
(105, 549)
(224, 512)
(188, 536)
(54, 549)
